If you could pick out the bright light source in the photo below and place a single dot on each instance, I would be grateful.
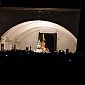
(6, 55)
(29, 29)
(69, 60)
(61, 51)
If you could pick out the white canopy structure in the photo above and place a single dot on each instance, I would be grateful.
(26, 34)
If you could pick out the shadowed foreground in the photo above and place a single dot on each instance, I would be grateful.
(22, 65)
(30, 57)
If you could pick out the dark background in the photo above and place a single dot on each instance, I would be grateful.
(72, 73)
(73, 4)
(42, 3)
(68, 18)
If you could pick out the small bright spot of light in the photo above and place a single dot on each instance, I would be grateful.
(69, 60)
(61, 51)
(6, 55)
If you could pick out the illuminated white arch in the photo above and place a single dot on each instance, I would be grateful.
(22, 30)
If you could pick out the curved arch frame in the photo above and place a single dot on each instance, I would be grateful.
(36, 23)
(29, 25)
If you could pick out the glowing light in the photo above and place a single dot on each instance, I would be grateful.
(61, 51)
(23, 30)
(69, 60)
(6, 55)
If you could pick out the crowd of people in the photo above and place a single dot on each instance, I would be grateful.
(31, 57)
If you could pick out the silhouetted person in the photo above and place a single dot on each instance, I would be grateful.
(30, 48)
(14, 47)
(27, 49)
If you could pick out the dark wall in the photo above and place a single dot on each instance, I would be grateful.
(81, 31)
(0, 2)
(68, 18)
(42, 3)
